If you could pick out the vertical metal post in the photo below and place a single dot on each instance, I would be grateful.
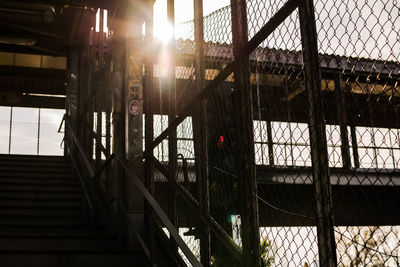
(119, 90)
(354, 145)
(245, 159)
(72, 92)
(172, 141)
(99, 124)
(343, 120)
(108, 106)
(319, 154)
(270, 144)
(90, 89)
(108, 100)
(200, 136)
(101, 39)
(99, 90)
(83, 102)
(10, 133)
(38, 134)
(148, 93)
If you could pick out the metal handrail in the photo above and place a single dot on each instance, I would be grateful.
(102, 148)
(59, 129)
(143, 190)
(61, 123)
(215, 227)
(86, 161)
(160, 213)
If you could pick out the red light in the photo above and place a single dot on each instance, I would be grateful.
(221, 138)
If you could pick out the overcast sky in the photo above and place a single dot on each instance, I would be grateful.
(356, 28)
(183, 11)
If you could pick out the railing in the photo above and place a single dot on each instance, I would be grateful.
(97, 202)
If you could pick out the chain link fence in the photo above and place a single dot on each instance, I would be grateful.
(359, 45)
(359, 54)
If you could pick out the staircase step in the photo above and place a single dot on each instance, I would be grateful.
(19, 174)
(32, 158)
(33, 220)
(42, 181)
(64, 166)
(37, 203)
(82, 229)
(45, 168)
(42, 222)
(103, 259)
(40, 211)
(39, 195)
(56, 242)
(20, 187)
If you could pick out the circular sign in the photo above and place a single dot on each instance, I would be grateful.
(134, 107)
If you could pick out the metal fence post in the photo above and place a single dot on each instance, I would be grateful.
(319, 154)
(119, 89)
(200, 136)
(172, 141)
(148, 94)
(343, 120)
(98, 94)
(242, 102)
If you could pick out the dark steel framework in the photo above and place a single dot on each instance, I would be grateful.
(220, 87)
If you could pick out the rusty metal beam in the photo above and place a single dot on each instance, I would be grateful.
(200, 136)
(258, 38)
(244, 148)
(319, 154)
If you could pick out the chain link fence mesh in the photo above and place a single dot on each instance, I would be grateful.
(359, 45)
(359, 55)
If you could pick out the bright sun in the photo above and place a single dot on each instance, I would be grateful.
(164, 31)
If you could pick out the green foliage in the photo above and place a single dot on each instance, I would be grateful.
(221, 259)
(264, 247)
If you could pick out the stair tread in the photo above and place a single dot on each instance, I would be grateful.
(34, 157)
(50, 229)
(105, 250)
(41, 211)
(42, 198)
(56, 235)
(40, 189)
(34, 181)
(35, 174)
(42, 223)
(42, 215)
(43, 204)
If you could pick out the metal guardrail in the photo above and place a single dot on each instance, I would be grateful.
(139, 185)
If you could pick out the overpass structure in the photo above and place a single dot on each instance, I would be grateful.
(259, 123)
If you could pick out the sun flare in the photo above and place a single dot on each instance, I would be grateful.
(164, 32)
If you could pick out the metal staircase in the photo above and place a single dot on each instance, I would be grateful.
(43, 222)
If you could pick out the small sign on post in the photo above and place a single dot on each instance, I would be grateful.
(134, 107)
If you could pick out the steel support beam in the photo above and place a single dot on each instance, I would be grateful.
(200, 136)
(245, 161)
(119, 91)
(319, 154)
(148, 94)
(172, 141)
(343, 121)
(258, 38)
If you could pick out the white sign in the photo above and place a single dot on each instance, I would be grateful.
(134, 107)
